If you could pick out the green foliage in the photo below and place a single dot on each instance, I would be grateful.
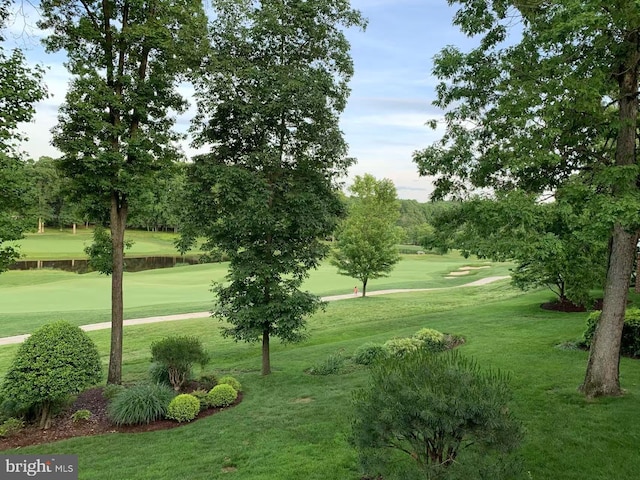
(100, 252)
(11, 426)
(221, 396)
(159, 373)
(367, 239)
(208, 381)
(178, 355)
(369, 353)
(56, 361)
(229, 380)
(630, 342)
(332, 365)
(433, 339)
(112, 390)
(266, 194)
(439, 415)
(201, 395)
(399, 347)
(140, 404)
(183, 408)
(81, 415)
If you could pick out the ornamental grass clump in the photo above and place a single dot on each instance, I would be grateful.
(435, 416)
(58, 360)
(143, 403)
(183, 408)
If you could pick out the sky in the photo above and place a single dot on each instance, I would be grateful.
(392, 89)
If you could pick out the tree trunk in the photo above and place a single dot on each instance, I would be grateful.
(603, 368)
(45, 416)
(602, 377)
(637, 289)
(364, 287)
(119, 210)
(266, 360)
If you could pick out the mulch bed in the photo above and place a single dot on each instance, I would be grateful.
(569, 307)
(64, 427)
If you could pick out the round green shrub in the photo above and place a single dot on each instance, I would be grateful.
(81, 415)
(139, 404)
(400, 347)
(432, 339)
(183, 408)
(369, 353)
(229, 380)
(221, 396)
(630, 342)
(56, 361)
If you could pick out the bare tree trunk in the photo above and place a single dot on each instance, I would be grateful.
(119, 210)
(266, 359)
(364, 287)
(637, 289)
(603, 368)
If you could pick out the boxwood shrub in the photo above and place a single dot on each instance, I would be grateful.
(183, 408)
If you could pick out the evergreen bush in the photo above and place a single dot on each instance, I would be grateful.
(183, 408)
(178, 355)
(229, 380)
(369, 353)
(630, 343)
(222, 396)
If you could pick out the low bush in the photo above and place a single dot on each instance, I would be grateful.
(333, 364)
(81, 415)
(201, 395)
(178, 355)
(433, 340)
(139, 404)
(221, 396)
(630, 344)
(183, 408)
(159, 373)
(435, 416)
(399, 347)
(208, 381)
(369, 353)
(11, 426)
(229, 380)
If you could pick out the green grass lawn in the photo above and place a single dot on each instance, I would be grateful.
(292, 425)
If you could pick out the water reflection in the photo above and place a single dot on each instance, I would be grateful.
(132, 264)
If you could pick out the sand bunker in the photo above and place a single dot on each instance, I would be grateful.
(474, 268)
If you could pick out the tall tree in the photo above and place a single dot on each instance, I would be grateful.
(20, 88)
(115, 127)
(509, 125)
(368, 238)
(267, 192)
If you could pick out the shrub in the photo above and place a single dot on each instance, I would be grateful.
(435, 416)
(222, 396)
(433, 340)
(201, 395)
(208, 381)
(11, 426)
(178, 355)
(183, 408)
(369, 353)
(630, 344)
(139, 404)
(111, 390)
(229, 380)
(159, 373)
(331, 365)
(81, 415)
(399, 347)
(57, 361)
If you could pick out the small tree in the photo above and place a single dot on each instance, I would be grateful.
(58, 360)
(368, 237)
(178, 355)
(440, 410)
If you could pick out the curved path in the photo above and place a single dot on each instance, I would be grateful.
(185, 316)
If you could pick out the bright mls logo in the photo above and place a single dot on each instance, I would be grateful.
(46, 467)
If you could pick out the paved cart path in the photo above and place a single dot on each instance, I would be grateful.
(185, 316)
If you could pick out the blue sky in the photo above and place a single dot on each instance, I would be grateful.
(391, 91)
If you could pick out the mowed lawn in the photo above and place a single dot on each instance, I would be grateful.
(292, 425)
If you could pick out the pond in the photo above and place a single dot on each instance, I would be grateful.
(132, 264)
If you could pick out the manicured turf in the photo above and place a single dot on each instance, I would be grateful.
(292, 425)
